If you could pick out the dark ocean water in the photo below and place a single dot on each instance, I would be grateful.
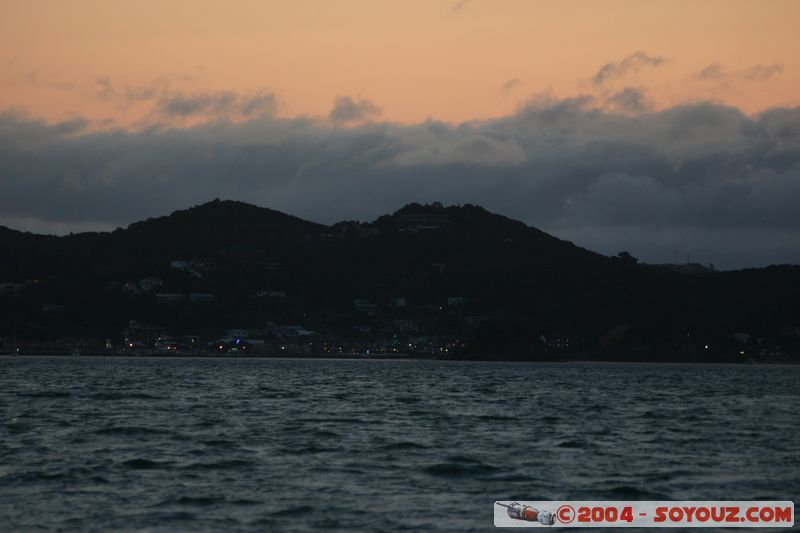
(89, 444)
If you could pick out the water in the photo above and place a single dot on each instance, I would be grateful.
(270, 445)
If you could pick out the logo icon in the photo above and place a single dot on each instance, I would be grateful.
(527, 513)
(565, 514)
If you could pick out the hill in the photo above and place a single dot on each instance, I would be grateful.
(458, 276)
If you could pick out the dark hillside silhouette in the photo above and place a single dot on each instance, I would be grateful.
(501, 287)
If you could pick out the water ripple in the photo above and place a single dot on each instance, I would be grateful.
(252, 445)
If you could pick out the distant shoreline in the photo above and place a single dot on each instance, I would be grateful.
(396, 357)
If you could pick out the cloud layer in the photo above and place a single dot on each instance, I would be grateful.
(702, 179)
(628, 65)
(509, 86)
(345, 110)
(216, 104)
(458, 6)
(716, 71)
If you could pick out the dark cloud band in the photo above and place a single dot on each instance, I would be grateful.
(701, 179)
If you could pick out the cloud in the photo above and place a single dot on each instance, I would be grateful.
(185, 105)
(36, 80)
(630, 100)
(105, 88)
(345, 110)
(140, 93)
(216, 104)
(631, 64)
(509, 86)
(711, 72)
(458, 6)
(72, 125)
(259, 103)
(131, 94)
(437, 144)
(762, 72)
(703, 179)
(716, 71)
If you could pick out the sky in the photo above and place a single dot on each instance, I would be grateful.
(667, 129)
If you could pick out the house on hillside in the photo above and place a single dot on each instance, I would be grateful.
(150, 283)
(291, 331)
(140, 330)
(356, 230)
(791, 331)
(130, 287)
(10, 288)
(269, 294)
(405, 326)
(397, 302)
(422, 222)
(200, 267)
(365, 306)
(169, 298)
(439, 268)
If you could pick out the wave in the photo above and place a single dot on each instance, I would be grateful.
(404, 445)
(219, 465)
(577, 444)
(145, 464)
(131, 430)
(46, 394)
(458, 466)
(298, 510)
(121, 396)
(310, 449)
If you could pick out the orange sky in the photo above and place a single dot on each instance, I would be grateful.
(412, 58)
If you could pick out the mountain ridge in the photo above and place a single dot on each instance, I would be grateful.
(452, 267)
(220, 221)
